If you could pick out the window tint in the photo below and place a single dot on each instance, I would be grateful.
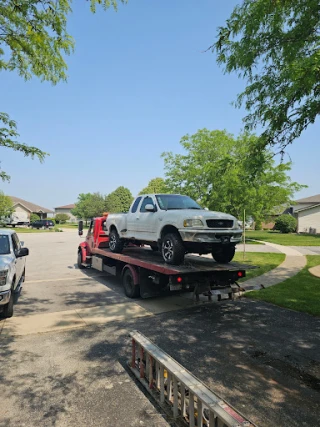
(136, 204)
(146, 201)
(176, 201)
(4, 245)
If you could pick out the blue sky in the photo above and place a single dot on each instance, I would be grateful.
(138, 81)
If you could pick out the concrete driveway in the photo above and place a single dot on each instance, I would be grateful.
(66, 348)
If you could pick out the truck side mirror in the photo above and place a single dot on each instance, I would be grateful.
(80, 228)
(149, 207)
(22, 252)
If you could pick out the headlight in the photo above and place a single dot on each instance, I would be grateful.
(192, 223)
(236, 225)
(3, 277)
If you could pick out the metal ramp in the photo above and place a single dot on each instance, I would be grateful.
(191, 402)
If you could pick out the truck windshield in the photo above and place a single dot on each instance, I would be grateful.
(4, 244)
(173, 201)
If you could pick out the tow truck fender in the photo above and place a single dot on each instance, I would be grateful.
(83, 249)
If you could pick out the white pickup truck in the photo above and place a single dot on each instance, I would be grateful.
(175, 225)
(12, 269)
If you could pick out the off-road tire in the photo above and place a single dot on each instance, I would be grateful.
(115, 243)
(172, 249)
(224, 254)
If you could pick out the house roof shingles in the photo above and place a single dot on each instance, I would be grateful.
(30, 206)
(72, 206)
(313, 199)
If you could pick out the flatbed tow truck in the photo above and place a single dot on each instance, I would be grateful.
(144, 273)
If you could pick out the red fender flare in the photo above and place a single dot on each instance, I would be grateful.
(83, 249)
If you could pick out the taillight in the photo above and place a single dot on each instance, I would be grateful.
(179, 279)
(240, 274)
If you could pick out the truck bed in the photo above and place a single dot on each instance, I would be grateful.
(146, 258)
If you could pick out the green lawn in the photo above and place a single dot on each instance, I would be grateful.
(284, 239)
(252, 242)
(301, 292)
(265, 262)
(69, 225)
(32, 230)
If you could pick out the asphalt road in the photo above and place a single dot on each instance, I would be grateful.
(264, 360)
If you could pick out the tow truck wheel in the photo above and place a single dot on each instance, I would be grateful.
(224, 254)
(115, 244)
(130, 289)
(80, 265)
(172, 249)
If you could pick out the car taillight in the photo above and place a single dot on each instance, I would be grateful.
(179, 279)
(240, 274)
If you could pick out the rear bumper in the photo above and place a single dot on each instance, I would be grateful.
(210, 236)
(5, 297)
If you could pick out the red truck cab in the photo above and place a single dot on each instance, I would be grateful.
(96, 238)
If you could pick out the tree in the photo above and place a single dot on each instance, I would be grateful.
(61, 218)
(275, 46)
(217, 172)
(34, 217)
(89, 205)
(34, 41)
(156, 185)
(8, 135)
(119, 200)
(6, 205)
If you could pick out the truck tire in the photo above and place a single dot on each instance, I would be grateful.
(172, 249)
(130, 289)
(8, 308)
(115, 244)
(224, 254)
(79, 260)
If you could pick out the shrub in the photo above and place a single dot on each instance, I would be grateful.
(53, 220)
(286, 224)
(34, 217)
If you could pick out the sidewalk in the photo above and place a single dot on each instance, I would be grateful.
(295, 261)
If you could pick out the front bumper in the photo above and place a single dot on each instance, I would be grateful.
(210, 236)
(5, 297)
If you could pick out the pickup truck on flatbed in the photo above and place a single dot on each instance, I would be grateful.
(174, 225)
(144, 272)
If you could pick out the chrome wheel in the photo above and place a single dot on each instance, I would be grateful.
(167, 250)
(112, 242)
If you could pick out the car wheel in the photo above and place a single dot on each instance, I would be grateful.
(130, 289)
(115, 243)
(79, 261)
(8, 308)
(224, 254)
(172, 249)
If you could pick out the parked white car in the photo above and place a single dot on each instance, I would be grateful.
(12, 269)
(175, 225)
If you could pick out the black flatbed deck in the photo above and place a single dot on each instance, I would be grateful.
(146, 258)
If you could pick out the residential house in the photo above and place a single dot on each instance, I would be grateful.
(21, 205)
(66, 210)
(307, 212)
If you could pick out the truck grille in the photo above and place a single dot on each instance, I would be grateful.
(220, 223)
